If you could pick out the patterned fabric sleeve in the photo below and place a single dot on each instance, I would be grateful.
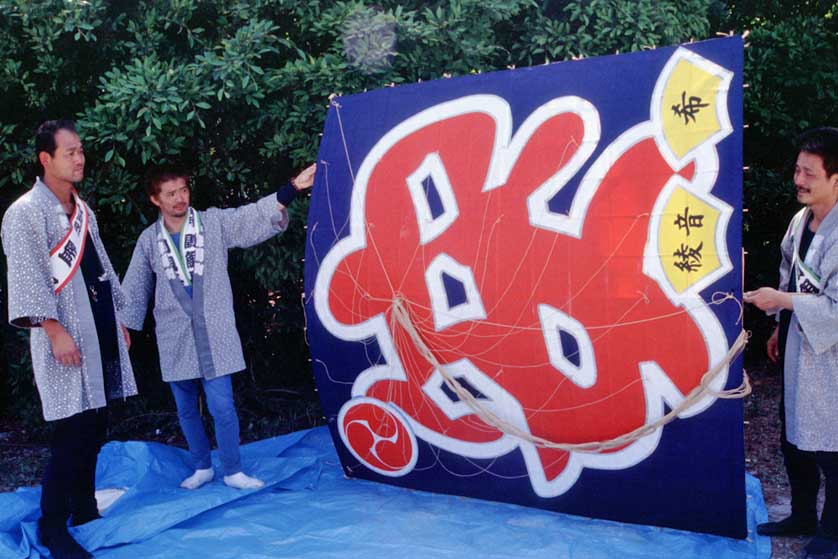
(31, 298)
(251, 224)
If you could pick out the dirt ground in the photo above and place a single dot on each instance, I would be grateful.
(21, 460)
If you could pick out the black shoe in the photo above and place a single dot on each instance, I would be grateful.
(821, 547)
(80, 518)
(789, 526)
(59, 542)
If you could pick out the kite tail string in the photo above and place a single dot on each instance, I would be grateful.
(402, 316)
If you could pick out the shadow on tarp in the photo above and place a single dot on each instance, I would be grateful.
(309, 510)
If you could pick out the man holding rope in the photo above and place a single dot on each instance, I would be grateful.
(806, 340)
(183, 257)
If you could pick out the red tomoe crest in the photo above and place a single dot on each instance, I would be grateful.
(550, 320)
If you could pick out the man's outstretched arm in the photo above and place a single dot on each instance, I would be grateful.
(254, 223)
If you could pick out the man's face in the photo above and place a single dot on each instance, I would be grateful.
(67, 163)
(173, 198)
(814, 187)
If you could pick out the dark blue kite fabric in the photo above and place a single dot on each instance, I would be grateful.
(308, 509)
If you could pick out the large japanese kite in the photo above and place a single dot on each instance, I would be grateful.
(505, 270)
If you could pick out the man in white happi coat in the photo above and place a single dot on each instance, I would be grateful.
(806, 343)
(185, 251)
(63, 288)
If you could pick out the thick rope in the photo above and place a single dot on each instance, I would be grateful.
(401, 315)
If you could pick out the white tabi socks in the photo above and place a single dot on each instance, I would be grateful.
(240, 480)
(199, 478)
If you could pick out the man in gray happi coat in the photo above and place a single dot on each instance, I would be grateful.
(806, 342)
(63, 288)
(186, 251)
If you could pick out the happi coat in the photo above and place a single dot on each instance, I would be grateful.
(197, 336)
(32, 226)
(811, 352)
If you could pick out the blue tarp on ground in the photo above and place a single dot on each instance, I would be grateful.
(309, 510)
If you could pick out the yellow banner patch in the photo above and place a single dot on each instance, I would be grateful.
(688, 107)
(687, 239)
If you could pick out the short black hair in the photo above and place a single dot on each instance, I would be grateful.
(158, 174)
(823, 142)
(45, 138)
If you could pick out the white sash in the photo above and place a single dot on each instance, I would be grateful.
(65, 257)
(182, 262)
(806, 279)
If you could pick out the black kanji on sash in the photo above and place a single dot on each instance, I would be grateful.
(806, 286)
(77, 222)
(69, 253)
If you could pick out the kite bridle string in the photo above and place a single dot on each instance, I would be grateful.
(336, 105)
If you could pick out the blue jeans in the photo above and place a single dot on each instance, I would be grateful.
(219, 393)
